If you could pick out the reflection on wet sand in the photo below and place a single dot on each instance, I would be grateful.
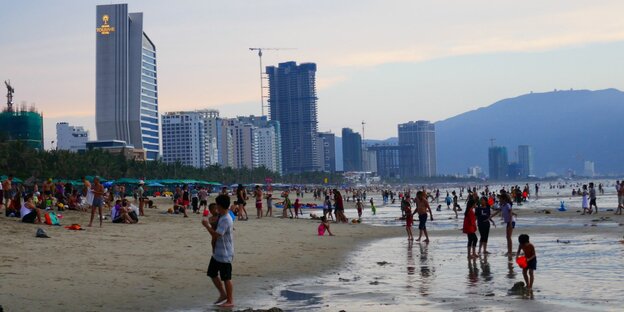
(425, 270)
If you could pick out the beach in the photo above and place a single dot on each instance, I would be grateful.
(160, 264)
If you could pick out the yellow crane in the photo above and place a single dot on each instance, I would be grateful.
(262, 73)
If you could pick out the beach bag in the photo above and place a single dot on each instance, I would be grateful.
(51, 219)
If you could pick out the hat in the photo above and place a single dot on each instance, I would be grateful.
(141, 182)
(41, 233)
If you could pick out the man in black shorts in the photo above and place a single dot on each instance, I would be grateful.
(220, 267)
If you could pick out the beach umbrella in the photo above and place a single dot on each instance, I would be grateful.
(155, 184)
(127, 181)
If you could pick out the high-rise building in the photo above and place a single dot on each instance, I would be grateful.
(589, 169)
(327, 151)
(292, 102)
(22, 125)
(238, 144)
(126, 93)
(387, 157)
(71, 138)
(183, 139)
(498, 162)
(525, 160)
(351, 150)
(369, 160)
(420, 159)
(269, 145)
(211, 121)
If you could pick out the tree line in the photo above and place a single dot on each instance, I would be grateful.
(24, 162)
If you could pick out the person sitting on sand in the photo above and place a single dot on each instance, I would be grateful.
(179, 207)
(13, 209)
(119, 214)
(28, 211)
(324, 226)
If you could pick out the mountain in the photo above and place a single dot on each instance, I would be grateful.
(565, 128)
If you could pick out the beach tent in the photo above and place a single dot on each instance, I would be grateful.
(155, 184)
(127, 181)
(15, 179)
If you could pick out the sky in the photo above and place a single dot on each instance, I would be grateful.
(383, 62)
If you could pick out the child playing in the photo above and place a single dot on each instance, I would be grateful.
(324, 226)
(297, 207)
(529, 253)
(359, 206)
(409, 222)
(373, 206)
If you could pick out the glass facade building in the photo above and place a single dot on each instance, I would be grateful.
(126, 81)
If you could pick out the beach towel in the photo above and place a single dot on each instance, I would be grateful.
(51, 219)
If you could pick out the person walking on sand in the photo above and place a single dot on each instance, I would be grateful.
(592, 198)
(98, 200)
(455, 204)
(409, 222)
(241, 199)
(258, 196)
(220, 267)
(422, 206)
(359, 207)
(287, 206)
(269, 202)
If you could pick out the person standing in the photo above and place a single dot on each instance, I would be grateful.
(241, 200)
(220, 267)
(592, 198)
(484, 217)
(470, 227)
(422, 206)
(269, 201)
(507, 213)
(98, 200)
(619, 187)
(140, 191)
(258, 196)
(6, 189)
(585, 202)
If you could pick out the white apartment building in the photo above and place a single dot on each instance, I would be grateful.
(71, 138)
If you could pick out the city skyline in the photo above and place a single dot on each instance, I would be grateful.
(571, 44)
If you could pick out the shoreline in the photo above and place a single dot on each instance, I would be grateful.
(160, 264)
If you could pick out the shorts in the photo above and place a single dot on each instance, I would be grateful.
(30, 218)
(186, 203)
(484, 232)
(203, 202)
(241, 202)
(409, 221)
(259, 205)
(472, 240)
(592, 202)
(221, 269)
(98, 202)
(532, 264)
(512, 224)
(422, 221)
(7, 194)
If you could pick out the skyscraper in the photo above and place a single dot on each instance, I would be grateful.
(525, 160)
(126, 93)
(387, 157)
(351, 150)
(269, 142)
(327, 151)
(498, 162)
(292, 102)
(418, 155)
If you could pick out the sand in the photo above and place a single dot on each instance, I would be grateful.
(160, 263)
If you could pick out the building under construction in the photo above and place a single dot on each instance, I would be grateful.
(21, 123)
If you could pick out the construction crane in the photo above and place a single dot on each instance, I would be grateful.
(262, 74)
(10, 92)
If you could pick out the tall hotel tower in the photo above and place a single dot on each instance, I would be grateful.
(292, 102)
(126, 93)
